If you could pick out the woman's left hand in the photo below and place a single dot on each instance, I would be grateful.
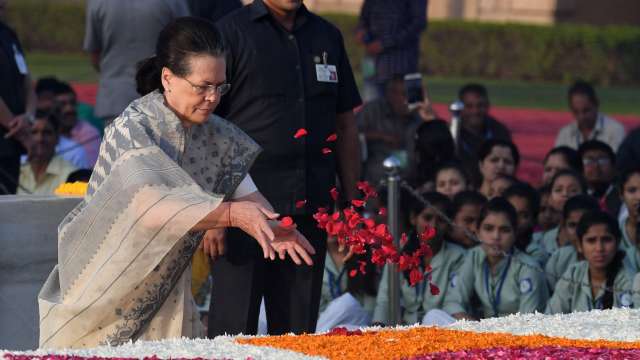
(291, 241)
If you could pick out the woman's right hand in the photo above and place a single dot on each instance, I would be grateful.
(252, 218)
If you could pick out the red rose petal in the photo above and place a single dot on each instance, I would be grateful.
(300, 133)
(300, 204)
(357, 203)
(326, 151)
(286, 222)
(333, 137)
(353, 273)
(334, 194)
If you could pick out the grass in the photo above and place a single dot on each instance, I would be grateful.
(615, 100)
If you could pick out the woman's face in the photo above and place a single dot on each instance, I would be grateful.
(570, 224)
(429, 218)
(598, 246)
(498, 186)
(631, 195)
(189, 96)
(466, 219)
(496, 234)
(554, 163)
(499, 161)
(450, 182)
(548, 217)
(564, 188)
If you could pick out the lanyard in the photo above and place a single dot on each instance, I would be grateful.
(334, 284)
(594, 134)
(495, 301)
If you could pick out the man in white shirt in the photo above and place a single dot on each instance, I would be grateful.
(590, 124)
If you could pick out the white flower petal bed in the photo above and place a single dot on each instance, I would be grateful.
(222, 347)
(614, 325)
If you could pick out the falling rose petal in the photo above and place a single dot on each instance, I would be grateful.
(333, 137)
(286, 222)
(415, 276)
(326, 151)
(357, 203)
(300, 204)
(403, 239)
(434, 289)
(300, 133)
(382, 211)
(353, 273)
(334, 194)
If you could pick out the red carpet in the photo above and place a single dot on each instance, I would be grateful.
(533, 130)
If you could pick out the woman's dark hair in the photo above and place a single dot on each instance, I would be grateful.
(453, 165)
(362, 284)
(525, 191)
(436, 199)
(583, 88)
(81, 175)
(570, 155)
(567, 172)
(467, 197)
(433, 146)
(488, 145)
(502, 206)
(625, 176)
(599, 217)
(579, 202)
(177, 43)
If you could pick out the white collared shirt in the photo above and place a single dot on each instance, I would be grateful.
(606, 130)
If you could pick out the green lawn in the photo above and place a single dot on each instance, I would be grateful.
(614, 100)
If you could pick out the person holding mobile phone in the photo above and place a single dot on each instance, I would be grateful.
(477, 127)
(390, 33)
(388, 126)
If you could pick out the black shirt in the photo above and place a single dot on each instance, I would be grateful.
(213, 10)
(12, 83)
(275, 92)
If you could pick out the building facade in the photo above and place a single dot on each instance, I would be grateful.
(596, 12)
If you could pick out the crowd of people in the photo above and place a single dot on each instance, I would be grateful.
(502, 246)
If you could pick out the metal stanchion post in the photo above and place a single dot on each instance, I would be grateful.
(392, 166)
(455, 108)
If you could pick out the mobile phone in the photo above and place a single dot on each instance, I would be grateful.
(413, 89)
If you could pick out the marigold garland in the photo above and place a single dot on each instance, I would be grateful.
(398, 344)
(74, 189)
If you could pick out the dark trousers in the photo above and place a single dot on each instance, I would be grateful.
(9, 174)
(242, 277)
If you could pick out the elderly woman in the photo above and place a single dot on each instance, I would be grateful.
(169, 174)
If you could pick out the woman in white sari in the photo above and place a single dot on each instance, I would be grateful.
(169, 174)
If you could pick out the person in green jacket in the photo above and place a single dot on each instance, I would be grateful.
(564, 185)
(601, 281)
(447, 257)
(567, 255)
(466, 209)
(630, 193)
(503, 279)
(525, 200)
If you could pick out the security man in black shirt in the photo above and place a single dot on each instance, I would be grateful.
(289, 76)
(17, 106)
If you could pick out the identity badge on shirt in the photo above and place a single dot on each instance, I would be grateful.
(326, 73)
(20, 63)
